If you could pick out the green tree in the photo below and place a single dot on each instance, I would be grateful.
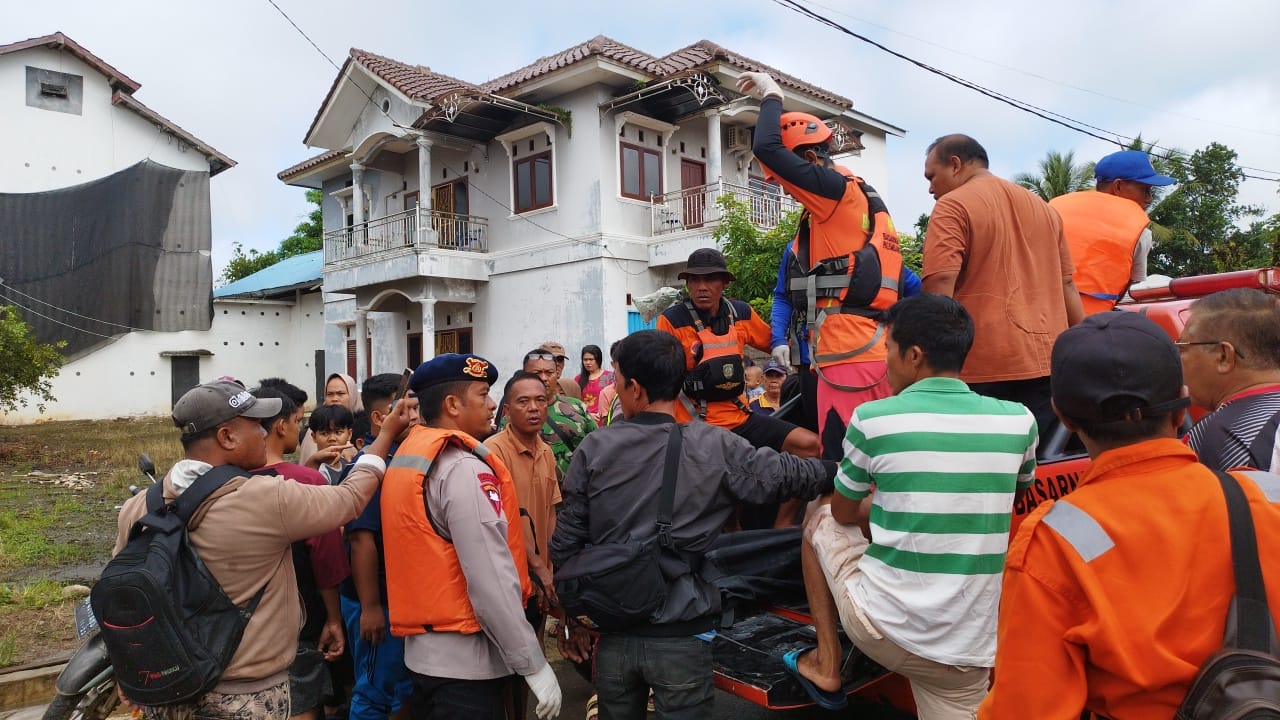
(27, 367)
(307, 237)
(752, 254)
(1058, 174)
(1202, 214)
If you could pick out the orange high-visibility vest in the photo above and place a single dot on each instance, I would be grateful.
(426, 590)
(1102, 232)
(852, 242)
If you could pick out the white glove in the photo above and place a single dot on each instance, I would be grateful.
(759, 85)
(546, 689)
(782, 354)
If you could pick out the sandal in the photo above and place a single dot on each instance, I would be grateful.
(836, 700)
(593, 707)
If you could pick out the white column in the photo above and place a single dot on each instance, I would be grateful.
(428, 328)
(713, 146)
(362, 355)
(357, 192)
(424, 172)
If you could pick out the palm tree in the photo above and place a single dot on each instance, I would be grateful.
(1058, 175)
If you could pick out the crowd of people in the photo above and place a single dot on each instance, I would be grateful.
(426, 523)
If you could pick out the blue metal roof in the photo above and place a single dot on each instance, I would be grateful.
(286, 275)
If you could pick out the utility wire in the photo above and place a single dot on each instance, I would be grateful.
(55, 320)
(10, 288)
(1021, 71)
(1056, 118)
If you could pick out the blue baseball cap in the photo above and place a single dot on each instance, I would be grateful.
(1130, 165)
(453, 367)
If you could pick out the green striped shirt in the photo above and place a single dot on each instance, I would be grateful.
(945, 463)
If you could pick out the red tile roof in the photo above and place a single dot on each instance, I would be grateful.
(58, 41)
(415, 81)
(598, 45)
(309, 163)
(705, 52)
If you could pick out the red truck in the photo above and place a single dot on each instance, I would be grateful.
(748, 654)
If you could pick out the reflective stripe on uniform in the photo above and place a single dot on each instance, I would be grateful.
(1080, 530)
(1270, 484)
(481, 451)
(413, 462)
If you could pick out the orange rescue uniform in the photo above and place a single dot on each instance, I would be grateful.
(840, 228)
(748, 329)
(1102, 232)
(1115, 595)
(426, 589)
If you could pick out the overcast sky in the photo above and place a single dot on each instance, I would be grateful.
(235, 74)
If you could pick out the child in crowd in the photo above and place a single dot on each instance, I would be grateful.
(754, 378)
(331, 427)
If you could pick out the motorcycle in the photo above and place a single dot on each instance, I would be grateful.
(86, 687)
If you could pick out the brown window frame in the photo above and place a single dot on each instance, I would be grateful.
(515, 183)
(622, 170)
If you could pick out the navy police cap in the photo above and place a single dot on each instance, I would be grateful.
(453, 367)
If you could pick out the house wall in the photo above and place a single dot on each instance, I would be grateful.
(249, 340)
(44, 149)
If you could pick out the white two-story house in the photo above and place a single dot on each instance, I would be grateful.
(491, 217)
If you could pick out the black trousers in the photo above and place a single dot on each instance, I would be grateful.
(436, 698)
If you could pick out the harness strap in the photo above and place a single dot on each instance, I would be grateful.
(875, 338)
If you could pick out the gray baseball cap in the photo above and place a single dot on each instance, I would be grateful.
(211, 404)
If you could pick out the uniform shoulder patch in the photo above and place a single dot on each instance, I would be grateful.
(489, 486)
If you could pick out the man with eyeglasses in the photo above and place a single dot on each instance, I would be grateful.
(1230, 350)
(1107, 229)
(568, 420)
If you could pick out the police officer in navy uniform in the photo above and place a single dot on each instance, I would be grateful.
(457, 579)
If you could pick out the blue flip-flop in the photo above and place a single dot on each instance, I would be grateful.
(827, 700)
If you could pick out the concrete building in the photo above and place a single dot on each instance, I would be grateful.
(269, 324)
(105, 205)
(493, 216)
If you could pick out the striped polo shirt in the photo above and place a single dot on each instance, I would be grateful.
(945, 463)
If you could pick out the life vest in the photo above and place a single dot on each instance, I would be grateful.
(1102, 232)
(718, 373)
(426, 590)
(844, 260)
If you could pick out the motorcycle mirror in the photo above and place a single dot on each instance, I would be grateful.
(145, 465)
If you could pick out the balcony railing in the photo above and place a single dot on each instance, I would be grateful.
(417, 228)
(696, 207)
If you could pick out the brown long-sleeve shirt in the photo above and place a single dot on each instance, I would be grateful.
(243, 533)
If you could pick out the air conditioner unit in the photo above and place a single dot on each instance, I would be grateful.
(739, 138)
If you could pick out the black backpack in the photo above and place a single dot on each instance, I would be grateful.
(169, 628)
(1242, 680)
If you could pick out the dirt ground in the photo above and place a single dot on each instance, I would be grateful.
(60, 484)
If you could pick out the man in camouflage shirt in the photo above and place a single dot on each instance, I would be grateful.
(568, 420)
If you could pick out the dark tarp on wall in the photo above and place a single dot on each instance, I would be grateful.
(131, 248)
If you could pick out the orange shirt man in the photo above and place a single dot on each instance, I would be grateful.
(1114, 596)
(1000, 251)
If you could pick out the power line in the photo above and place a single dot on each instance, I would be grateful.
(1053, 117)
(369, 99)
(1061, 83)
(62, 309)
(55, 320)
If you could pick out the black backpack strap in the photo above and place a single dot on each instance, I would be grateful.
(667, 499)
(1249, 619)
(207, 484)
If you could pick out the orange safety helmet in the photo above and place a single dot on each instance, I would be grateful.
(799, 129)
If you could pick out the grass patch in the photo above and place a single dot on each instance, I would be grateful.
(8, 648)
(32, 596)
